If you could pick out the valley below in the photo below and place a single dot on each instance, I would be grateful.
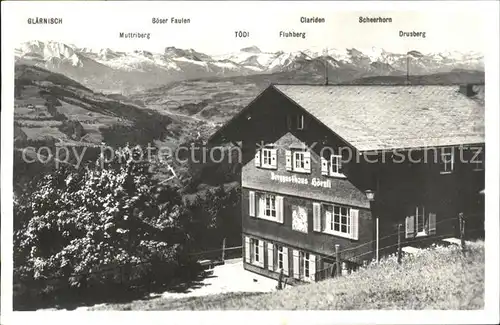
(83, 98)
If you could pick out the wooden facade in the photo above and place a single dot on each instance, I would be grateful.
(299, 201)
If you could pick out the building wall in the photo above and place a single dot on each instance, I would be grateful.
(324, 265)
(339, 190)
(320, 243)
(401, 187)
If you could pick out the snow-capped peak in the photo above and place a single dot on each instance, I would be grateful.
(50, 51)
(177, 64)
(251, 49)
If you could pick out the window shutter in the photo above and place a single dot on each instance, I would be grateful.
(354, 223)
(312, 267)
(285, 261)
(261, 205)
(307, 161)
(432, 223)
(279, 208)
(288, 155)
(270, 255)
(341, 165)
(257, 158)
(324, 218)
(251, 203)
(410, 226)
(274, 160)
(316, 216)
(261, 253)
(324, 166)
(247, 249)
(296, 273)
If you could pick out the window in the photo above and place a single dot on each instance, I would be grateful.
(447, 160)
(256, 251)
(300, 122)
(298, 160)
(420, 223)
(266, 157)
(277, 258)
(420, 220)
(280, 257)
(296, 122)
(332, 166)
(305, 264)
(335, 166)
(301, 161)
(265, 206)
(338, 220)
(270, 205)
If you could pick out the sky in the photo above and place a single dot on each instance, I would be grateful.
(448, 26)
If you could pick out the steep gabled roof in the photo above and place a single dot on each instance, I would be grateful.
(373, 118)
(393, 117)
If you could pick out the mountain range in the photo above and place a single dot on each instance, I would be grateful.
(108, 70)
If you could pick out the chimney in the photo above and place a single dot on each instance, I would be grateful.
(467, 90)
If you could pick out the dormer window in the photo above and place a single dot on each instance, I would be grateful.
(335, 161)
(298, 160)
(332, 166)
(266, 157)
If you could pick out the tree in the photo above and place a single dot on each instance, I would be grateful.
(101, 215)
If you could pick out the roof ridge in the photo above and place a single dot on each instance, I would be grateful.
(378, 85)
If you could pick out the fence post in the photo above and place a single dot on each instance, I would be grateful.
(399, 244)
(223, 248)
(280, 280)
(462, 231)
(337, 260)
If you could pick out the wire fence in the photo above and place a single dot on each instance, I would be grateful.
(333, 269)
(385, 237)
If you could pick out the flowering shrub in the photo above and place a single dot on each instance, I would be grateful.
(100, 216)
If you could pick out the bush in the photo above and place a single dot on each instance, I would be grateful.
(213, 218)
(83, 221)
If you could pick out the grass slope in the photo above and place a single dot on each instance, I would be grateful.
(51, 108)
(437, 278)
(102, 117)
